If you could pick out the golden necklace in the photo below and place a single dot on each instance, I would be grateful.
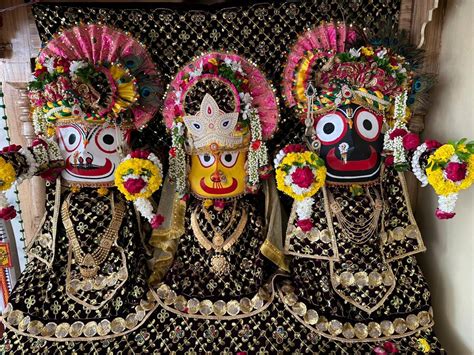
(89, 263)
(362, 229)
(219, 263)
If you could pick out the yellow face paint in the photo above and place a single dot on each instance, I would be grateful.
(218, 174)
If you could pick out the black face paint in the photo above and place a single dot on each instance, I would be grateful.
(351, 143)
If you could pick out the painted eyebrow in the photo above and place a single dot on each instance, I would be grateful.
(90, 133)
(80, 129)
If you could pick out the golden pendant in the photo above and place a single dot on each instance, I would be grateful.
(218, 240)
(88, 267)
(220, 265)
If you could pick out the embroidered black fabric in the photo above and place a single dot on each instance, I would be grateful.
(41, 291)
(191, 273)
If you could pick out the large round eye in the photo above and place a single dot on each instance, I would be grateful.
(228, 159)
(330, 128)
(106, 140)
(70, 137)
(367, 125)
(206, 159)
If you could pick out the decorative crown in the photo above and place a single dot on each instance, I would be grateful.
(371, 76)
(250, 98)
(109, 77)
(212, 125)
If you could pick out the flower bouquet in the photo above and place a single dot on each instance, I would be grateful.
(450, 169)
(300, 174)
(138, 176)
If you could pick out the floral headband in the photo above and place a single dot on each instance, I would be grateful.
(94, 74)
(370, 76)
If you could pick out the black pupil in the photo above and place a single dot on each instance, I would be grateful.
(207, 158)
(367, 125)
(108, 139)
(228, 158)
(72, 139)
(329, 128)
(197, 126)
(226, 123)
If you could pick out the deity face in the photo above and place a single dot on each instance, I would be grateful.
(218, 174)
(90, 153)
(351, 143)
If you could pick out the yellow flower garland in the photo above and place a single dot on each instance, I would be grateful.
(7, 175)
(138, 167)
(309, 159)
(436, 178)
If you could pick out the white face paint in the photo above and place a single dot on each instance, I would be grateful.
(90, 153)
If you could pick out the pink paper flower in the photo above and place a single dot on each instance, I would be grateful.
(389, 160)
(219, 205)
(140, 154)
(294, 148)
(456, 171)
(256, 144)
(432, 144)
(390, 347)
(303, 177)
(305, 224)
(7, 213)
(39, 141)
(157, 221)
(411, 141)
(380, 351)
(398, 132)
(11, 148)
(51, 174)
(134, 186)
(444, 215)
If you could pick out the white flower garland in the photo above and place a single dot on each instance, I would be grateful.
(145, 208)
(32, 165)
(447, 203)
(178, 162)
(396, 145)
(54, 152)
(256, 157)
(415, 164)
(39, 121)
(3, 200)
(278, 158)
(304, 208)
(41, 155)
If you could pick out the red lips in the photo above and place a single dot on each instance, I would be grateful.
(351, 165)
(90, 171)
(219, 191)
